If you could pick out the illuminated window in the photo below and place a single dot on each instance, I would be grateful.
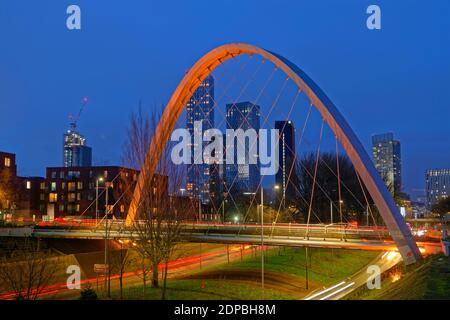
(71, 197)
(78, 196)
(52, 197)
(122, 208)
(53, 186)
(42, 185)
(7, 162)
(28, 185)
(71, 186)
(80, 185)
(61, 208)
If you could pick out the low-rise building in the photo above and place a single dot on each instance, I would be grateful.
(72, 191)
(20, 197)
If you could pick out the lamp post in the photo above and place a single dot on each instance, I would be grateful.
(367, 215)
(199, 209)
(277, 188)
(223, 211)
(262, 240)
(331, 211)
(107, 270)
(96, 198)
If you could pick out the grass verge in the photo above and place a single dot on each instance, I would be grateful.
(426, 280)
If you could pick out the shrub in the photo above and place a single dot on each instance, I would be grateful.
(88, 294)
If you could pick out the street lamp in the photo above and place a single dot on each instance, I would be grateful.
(199, 209)
(107, 272)
(100, 179)
(262, 239)
(278, 201)
(331, 209)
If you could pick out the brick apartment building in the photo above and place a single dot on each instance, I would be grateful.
(19, 196)
(71, 191)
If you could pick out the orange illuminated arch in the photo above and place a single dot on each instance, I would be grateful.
(400, 232)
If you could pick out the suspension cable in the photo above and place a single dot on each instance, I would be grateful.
(314, 179)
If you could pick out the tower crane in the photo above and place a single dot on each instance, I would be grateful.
(74, 120)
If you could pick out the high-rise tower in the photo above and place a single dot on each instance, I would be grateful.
(200, 107)
(243, 178)
(387, 160)
(75, 151)
(286, 176)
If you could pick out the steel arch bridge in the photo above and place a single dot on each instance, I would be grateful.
(398, 229)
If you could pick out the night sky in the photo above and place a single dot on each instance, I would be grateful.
(396, 79)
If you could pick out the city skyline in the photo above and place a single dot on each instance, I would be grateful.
(207, 151)
(31, 93)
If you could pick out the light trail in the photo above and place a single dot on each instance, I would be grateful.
(172, 265)
(325, 291)
(337, 291)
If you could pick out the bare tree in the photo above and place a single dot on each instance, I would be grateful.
(144, 268)
(8, 189)
(27, 271)
(120, 260)
(159, 215)
(326, 188)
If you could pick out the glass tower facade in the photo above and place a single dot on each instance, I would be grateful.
(387, 159)
(200, 107)
(242, 178)
(286, 175)
(75, 151)
(437, 185)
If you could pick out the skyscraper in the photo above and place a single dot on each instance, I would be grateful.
(387, 160)
(242, 177)
(437, 185)
(286, 175)
(75, 151)
(200, 107)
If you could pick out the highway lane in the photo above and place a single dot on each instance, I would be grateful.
(384, 261)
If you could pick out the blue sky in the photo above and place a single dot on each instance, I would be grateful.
(395, 79)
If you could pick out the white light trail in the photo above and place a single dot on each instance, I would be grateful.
(337, 291)
(325, 291)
